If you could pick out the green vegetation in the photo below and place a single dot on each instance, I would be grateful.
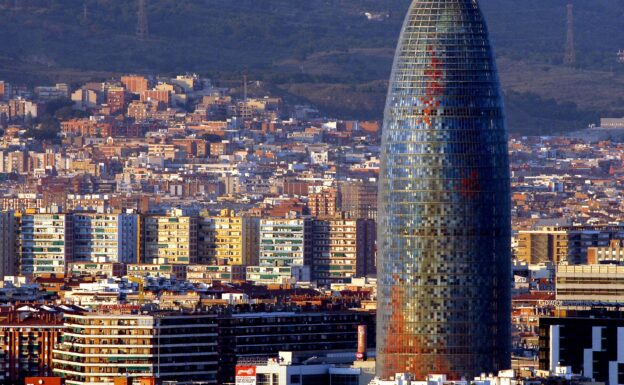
(47, 126)
(321, 51)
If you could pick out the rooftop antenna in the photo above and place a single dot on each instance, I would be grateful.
(142, 28)
(245, 87)
(570, 54)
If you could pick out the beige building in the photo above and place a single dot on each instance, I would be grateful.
(612, 254)
(229, 239)
(168, 271)
(564, 243)
(590, 283)
(169, 239)
(210, 273)
(542, 246)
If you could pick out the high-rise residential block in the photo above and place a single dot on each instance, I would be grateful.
(324, 203)
(286, 241)
(26, 343)
(342, 249)
(169, 239)
(8, 244)
(45, 243)
(444, 226)
(358, 199)
(228, 239)
(105, 237)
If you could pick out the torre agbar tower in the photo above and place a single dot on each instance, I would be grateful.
(444, 201)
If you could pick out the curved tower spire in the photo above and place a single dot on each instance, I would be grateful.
(444, 203)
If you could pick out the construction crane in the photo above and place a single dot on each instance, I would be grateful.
(139, 282)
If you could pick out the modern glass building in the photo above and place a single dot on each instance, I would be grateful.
(444, 201)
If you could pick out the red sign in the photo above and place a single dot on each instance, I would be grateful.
(245, 375)
(42, 381)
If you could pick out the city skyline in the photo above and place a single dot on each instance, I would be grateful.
(225, 205)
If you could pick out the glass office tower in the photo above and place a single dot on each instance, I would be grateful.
(444, 201)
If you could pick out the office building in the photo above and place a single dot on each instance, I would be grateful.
(592, 346)
(590, 283)
(251, 335)
(444, 226)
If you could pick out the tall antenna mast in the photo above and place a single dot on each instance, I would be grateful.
(85, 13)
(245, 86)
(570, 54)
(142, 29)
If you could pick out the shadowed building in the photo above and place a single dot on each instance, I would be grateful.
(444, 201)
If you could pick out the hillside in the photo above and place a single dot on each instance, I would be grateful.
(323, 51)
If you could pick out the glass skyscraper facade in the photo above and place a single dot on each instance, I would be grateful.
(444, 201)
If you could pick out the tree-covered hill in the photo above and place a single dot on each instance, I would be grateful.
(323, 51)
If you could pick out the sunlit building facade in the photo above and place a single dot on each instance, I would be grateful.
(444, 201)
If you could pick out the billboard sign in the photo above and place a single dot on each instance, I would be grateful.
(245, 375)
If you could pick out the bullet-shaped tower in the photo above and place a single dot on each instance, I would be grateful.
(444, 224)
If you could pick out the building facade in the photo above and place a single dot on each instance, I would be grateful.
(342, 249)
(45, 243)
(228, 239)
(590, 283)
(444, 226)
(8, 245)
(564, 243)
(248, 335)
(286, 241)
(102, 348)
(26, 344)
(169, 239)
(102, 237)
(592, 346)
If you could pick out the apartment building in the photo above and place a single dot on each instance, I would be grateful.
(26, 343)
(342, 249)
(169, 239)
(45, 243)
(8, 244)
(286, 241)
(100, 237)
(228, 239)
(102, 348)
(564, 243)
